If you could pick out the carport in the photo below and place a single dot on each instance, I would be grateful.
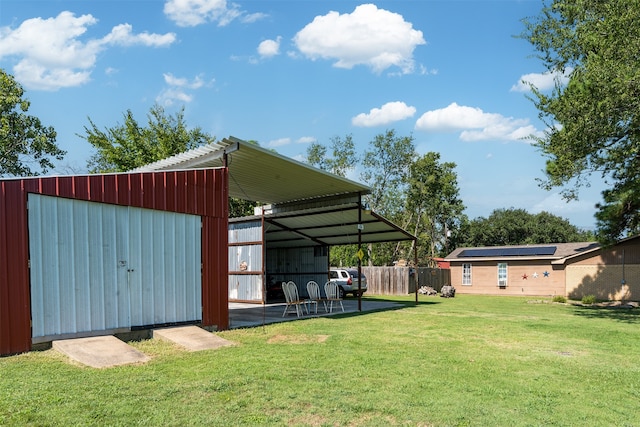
(305, 211)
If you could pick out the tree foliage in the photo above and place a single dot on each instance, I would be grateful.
(594, 120)
(419, 194)
(130, 145)
(518, 227)
(343, 159)
(386, 169)
(434, 207)
(27, 147)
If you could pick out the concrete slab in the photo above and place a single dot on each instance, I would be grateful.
(243, 315)
(100, 352)
(191, 338)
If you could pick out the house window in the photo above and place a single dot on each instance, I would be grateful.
(466, 274)
(502, 274)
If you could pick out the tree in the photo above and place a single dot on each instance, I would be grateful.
(594, 120)
(344, 156)
(24, 142)
(386, 169)
(518, 227)
(433, 204)
(342, 160)
(128, 146)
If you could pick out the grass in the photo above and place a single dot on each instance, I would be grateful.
(464, 361)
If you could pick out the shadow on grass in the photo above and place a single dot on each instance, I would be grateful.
(401, 300)
(401, 305)
(619, 314)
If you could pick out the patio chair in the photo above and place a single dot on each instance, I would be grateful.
(333, 295)
(314, 295)
(290, 290)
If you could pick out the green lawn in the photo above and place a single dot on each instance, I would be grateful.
(470, 361)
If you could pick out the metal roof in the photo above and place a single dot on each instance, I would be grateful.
(261, 175)
(310, 206)
(521, 252)
(329, 225)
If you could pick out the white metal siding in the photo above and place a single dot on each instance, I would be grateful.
(98, 267)
(246, 258)
(240, 232)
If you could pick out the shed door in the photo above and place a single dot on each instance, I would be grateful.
(101, 267)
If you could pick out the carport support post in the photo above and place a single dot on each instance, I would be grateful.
(359, 251)
(415, 265)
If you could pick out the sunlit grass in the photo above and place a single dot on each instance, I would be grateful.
(470, 360)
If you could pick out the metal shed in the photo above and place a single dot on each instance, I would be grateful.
(307, 211)
(88, 255)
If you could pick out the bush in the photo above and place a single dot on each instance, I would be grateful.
(589, 299)
(559, 298)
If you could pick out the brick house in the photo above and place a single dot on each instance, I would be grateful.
(568, 269)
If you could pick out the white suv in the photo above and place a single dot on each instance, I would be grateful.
(347, 280)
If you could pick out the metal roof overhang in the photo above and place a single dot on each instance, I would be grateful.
(260, 175)
(312, 207)
(329, 225)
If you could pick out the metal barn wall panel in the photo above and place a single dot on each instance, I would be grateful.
(15, 330)
(202, 192)
(165, 280)
(299, 265)
(215, 292)
(74, 250)
(242, 232)
(245, 257)
(246, 288)
(98, 267)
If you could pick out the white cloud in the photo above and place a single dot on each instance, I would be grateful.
(279, 142)
(306, 140)
(250, 18)
(172, 95)
(542, 81)
(123, 35)
(51, 54)
(475, 124)
(178, 89)
(369, 36)
(171, 80)
(190, 13)
(388, 113)
(269, 48)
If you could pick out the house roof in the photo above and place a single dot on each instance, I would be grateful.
(257, 174)
(554, 252)
(308, 206)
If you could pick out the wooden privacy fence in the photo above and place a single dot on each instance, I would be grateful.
(402, 280)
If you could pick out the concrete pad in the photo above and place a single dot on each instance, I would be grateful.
(100, 352)
(192, 338)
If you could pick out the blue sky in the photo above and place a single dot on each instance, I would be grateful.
(288, 73)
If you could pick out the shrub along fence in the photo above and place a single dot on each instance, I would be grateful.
(402, 280)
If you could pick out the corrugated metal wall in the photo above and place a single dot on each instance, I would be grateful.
(97, 267)
(15, 330)
(245, 257)
(198, 192)
(299, 265)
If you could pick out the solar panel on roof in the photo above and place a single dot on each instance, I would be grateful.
(515, 251)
